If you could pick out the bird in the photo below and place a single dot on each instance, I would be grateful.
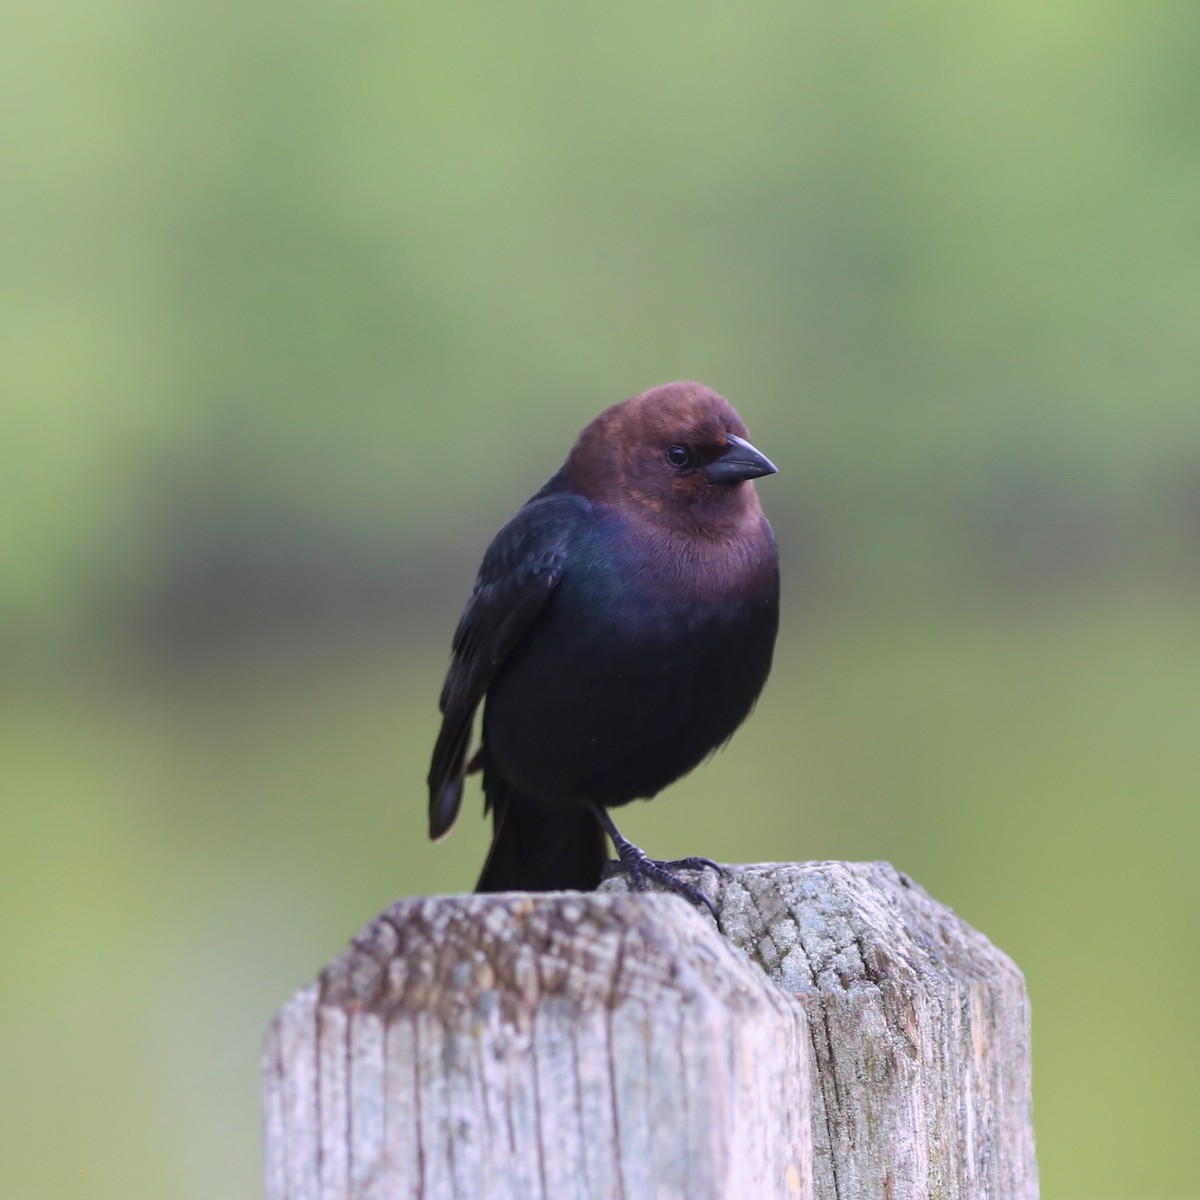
(620, 629)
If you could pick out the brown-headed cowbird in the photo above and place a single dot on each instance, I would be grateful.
(621, 629)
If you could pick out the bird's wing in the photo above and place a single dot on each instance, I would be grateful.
(519, 573)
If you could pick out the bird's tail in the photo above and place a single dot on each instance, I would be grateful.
(538, 847)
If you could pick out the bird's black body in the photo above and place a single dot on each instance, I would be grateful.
(617, 646)
(621, 686)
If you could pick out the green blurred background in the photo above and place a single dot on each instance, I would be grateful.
(300, 301)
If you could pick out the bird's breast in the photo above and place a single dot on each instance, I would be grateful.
(645, 660)
(645, 568)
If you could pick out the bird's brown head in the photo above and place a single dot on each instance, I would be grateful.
(677, 453)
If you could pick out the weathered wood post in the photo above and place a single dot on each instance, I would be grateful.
(616, 1045)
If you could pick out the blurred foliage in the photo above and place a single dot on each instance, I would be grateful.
(299, 302)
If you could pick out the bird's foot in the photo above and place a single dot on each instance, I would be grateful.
(644, 870)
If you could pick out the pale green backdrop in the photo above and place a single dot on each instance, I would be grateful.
(299, 301)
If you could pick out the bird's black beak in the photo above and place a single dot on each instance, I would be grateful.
(740, 461)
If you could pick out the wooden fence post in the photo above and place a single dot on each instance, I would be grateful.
(615, 1045)
(555, 1046)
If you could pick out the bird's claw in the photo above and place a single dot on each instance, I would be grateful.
(644, 870)
(650, 870)
(692, 864)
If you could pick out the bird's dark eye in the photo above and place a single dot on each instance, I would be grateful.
(678, 456)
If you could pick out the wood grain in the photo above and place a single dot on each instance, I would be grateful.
(919, 1029)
